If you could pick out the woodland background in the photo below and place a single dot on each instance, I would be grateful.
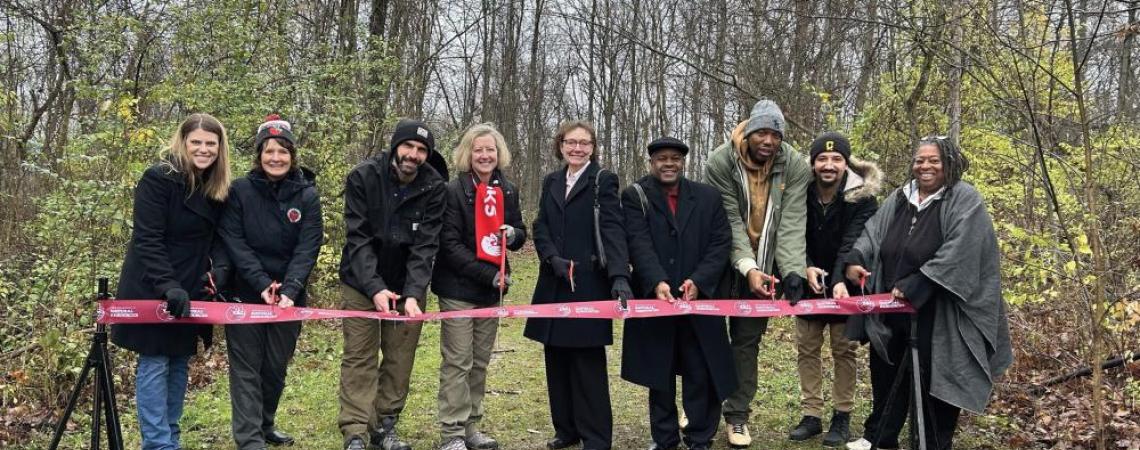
(1043, 95)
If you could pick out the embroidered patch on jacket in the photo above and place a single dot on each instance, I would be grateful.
(294, 215)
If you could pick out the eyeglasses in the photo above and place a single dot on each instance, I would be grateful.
(576, 143)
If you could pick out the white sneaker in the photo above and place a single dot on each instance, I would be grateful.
(863, 444)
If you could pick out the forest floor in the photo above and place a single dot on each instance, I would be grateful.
(516, 404)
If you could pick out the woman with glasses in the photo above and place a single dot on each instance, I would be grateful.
(932, 244)
(581, 244)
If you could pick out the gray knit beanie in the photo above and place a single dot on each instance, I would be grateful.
(765, 114)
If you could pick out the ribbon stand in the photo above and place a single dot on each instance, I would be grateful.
(103, 395)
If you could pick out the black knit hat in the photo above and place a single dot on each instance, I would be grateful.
(274, 128)
(831, 141)
(665, 142)
(412, 130)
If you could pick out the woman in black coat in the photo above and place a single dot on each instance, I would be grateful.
(572, 270)
(464, 280)
(272, 231)
(176, 208)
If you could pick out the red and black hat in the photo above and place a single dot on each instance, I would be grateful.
(274, 128)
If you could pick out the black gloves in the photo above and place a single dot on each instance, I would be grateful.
(561, 267)
(793, 288)
(177, 302)
(621, 290)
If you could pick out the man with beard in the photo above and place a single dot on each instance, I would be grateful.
(393, 213)
(839, 202)
(679, 241)
(763, 184)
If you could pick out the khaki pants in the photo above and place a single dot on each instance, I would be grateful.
(809, 346)
(371, 388)
(465, 346)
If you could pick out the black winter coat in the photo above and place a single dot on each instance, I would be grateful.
(459, 273)
(832, 230)
(692, 244)
(171, 242)
(392, 231)
(272, 232)
(565, 228)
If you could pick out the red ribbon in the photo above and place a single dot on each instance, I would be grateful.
(217, 313)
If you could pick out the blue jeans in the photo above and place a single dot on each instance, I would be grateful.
(160, 388)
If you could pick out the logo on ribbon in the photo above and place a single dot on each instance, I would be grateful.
(162, 313)
(744, 308)
(564, 311)
(236, 313)
(100, 313)
(683, 305)
(805, 307)
(502, 312)
(865, 305)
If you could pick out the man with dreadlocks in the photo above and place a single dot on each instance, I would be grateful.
(933, 244)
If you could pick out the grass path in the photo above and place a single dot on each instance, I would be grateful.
(516, 406)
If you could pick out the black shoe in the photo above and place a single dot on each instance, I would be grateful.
(386, 438)
(839, 431)
(275, 437)
(356, 443)
(657, 446)
(809, 427)
(557, 443)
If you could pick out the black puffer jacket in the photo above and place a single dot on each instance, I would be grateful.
(272, 232)
(171, 243)
(391, 231)
(459, 274)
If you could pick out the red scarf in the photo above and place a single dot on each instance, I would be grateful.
(488, 218)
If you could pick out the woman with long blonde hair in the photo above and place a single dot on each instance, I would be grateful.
(177, 205)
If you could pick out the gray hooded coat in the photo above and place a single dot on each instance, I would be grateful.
(971, 329)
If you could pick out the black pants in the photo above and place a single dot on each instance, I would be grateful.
(941, 418)
(698, 396)
(579, 391)
(259, 355)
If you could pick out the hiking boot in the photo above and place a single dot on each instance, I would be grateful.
(480, 441)
(809, 427)
(386, 438)
(738, 436)
(455, 443)
(355, 443)
(839, 431)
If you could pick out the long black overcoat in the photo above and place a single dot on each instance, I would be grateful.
(171, 243)
(565, 228)
(692, 244)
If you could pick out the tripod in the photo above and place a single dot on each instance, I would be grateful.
(103, 395)
(917, 417)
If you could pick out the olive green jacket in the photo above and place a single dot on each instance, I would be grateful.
(782, 241)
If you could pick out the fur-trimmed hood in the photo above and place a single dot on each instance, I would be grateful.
(864, 179)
